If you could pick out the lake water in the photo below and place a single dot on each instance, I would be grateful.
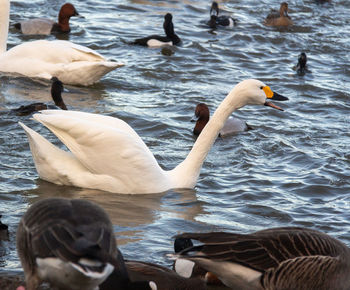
(292, 169)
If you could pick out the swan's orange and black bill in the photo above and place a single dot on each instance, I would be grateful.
(273, 96)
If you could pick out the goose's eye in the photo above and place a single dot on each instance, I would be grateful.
(261, 87)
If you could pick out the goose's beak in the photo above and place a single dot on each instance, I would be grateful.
(273, 96)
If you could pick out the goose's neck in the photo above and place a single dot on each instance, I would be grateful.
(188, 171)
(4, 23)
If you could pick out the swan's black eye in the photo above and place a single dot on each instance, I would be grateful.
(261, 87)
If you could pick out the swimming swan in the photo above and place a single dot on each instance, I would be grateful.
(71, 63)
(109, 155)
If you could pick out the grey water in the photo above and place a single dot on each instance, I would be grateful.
(292, 169)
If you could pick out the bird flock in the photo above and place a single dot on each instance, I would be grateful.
(70, 243)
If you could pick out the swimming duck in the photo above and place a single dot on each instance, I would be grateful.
(107, 154)
(56, 90)
(222, 20)
(301, 67)
(70, 244)
(232, 125)
(280, 18)
(156, 40)
(162, 277)
(47, 26)
(71, 63)
(277, 258)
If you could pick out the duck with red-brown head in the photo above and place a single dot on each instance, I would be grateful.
(45, 26)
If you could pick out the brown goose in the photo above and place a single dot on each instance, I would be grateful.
(71, 245)
(278, 258)
(280, 18)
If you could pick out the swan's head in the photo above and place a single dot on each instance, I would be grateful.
(254, 92)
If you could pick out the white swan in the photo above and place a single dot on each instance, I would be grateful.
(71, 63)
(109, 155)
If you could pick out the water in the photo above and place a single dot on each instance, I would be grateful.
(291, 170)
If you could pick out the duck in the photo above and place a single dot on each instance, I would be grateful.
(43, 26)
(56, 90)
(301, 67)
(280, 18)
(232, 125)
(72, 63)
(70, 244)
(156, 40)
(107, 154)
(221, 20)
(276, 258)
(164, 278)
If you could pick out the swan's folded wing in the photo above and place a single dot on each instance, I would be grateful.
(103, 149)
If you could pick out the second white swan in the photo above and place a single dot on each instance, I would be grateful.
(109, 155)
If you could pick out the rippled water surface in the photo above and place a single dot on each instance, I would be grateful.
(292, 169)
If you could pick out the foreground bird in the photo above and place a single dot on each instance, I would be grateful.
(56, 90)
(156, 40)
(107, 154)
(280, 18)
(277, 258)
(221, 20)
(47, 26)
(232, 125)
(71, 63)
(71, 245)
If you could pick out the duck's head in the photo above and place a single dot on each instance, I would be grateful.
(214, 9)
(181, 244)
(68, 10)
(254, 92)
(284, 9)
(56, 90)
(302, 59)
(201, 117)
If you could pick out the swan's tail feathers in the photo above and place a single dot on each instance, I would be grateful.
(49, 160)
(86, 72)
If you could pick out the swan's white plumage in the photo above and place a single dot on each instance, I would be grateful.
(71, 63)
(109, 155)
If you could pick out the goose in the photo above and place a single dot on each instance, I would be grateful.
(107, 154)
(164, 278)
(56, 90)
(156, 40)
(301, 67)
(232, 125)
(45, 26)
(71, 63)
(278, 258)
(221, 20)
(70, 244)
(280, 18)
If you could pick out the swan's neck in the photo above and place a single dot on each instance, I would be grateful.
(4, 23)
(187, 172)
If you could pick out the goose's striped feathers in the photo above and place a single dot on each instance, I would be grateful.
(283, 256)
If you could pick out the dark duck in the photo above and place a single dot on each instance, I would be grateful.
(222, 20)
(156, 40)
(56, 90)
